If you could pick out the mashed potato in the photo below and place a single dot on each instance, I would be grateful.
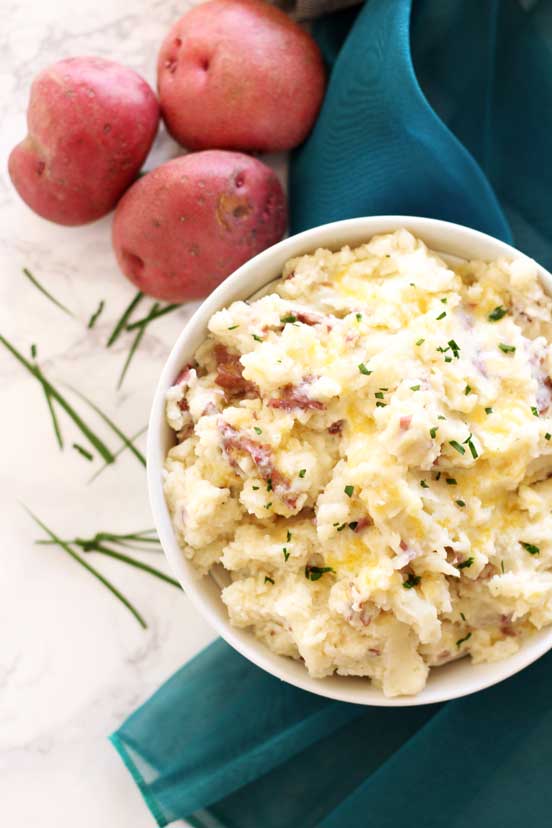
(367, 450)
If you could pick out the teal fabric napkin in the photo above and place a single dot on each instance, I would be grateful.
(441, 110)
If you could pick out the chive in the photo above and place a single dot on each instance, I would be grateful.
(269, 485)
(451, 481)
(314, 573)
(302, 472)
(384, 389)
(257, 430)
(448, 359)
(465, 564)
(349, 490)
(472, 449)
(91, 569)
(530, 547)
(268, 580)
(257, 338)
(462, 616)
(414, 387)
(233, 327)
(424, 485)
(497, 314)
(290, 318)
(534, 411)
(411, 581)
(268, 505)
(461, 640)
(255, 488)
(455, 348)
(358, 317)
(420, 341)
(507, 349)
(440, 417)
(353, 525)
(460, 503)
(116, 430)
(502, 565)
(467, 390)
(444, 300)
(54, 394)
(433, 432)
(363, 369)
(488, 410)
(134, 346)
(379, 395)
(94, 318)
(547, 436)
(119, 556)
(286, 553)
(380, 404)
(33, 351)
(120, 325)
(288, 536)
(55, 421)
(83, 451)
(442, 315)
(456, 445)
(341, 527)
(159, 311)
(45, 293)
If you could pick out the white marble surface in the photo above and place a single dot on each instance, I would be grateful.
(73, 661)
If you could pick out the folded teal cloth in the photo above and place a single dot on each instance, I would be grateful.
(224, 744)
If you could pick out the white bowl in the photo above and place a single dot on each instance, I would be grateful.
(458, 678)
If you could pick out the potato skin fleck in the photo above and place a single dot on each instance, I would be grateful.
(185, 226)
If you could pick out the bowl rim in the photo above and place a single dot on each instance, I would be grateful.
(282, 667)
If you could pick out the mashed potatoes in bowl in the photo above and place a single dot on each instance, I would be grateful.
(362, 457)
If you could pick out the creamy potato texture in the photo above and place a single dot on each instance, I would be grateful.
(366, 451)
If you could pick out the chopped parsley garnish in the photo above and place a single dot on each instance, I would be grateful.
(314, 573)
(268, 505)
(433, 432)
(257, 338)
(530, 547)
(415, 387)
(497, 314)
(458, 446)
(461, 640)
(420, 341)
(467, 390)
(302, 472)
(233, 327)
(353, 525)
(379, 395)
(380, 404)
(363, 369)
(460, 503)
(269, 484)
(286, 553)
(488, 410)
(290, 318)
(349, 490)
(424, 485)
(534, 411)
(358, 316)
(268, 580)
(507, 349)
(411, 581)
(257, 430)
(465, 564)
(451, 481)
(548, 436)
(442, 315)
(288, 538)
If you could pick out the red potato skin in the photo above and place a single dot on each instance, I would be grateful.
(181, 229)
(239, 74)
(91, 123)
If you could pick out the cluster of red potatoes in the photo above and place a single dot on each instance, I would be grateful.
(233, 76)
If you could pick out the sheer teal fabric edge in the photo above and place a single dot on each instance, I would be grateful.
(138, 778)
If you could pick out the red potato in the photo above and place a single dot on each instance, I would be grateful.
(239, 74)
(91, 123)
(181, 229)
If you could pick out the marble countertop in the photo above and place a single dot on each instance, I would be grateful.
(73, 662)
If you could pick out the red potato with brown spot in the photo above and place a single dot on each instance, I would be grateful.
(181, 229)
(239, 74)
(91, 123)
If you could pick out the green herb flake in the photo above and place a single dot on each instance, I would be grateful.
(411, 581)
(268, 580)
(473, 450)
(233, 327)
(84, 452)
(507, 349)
(433, 432)
(349, 490)
(461, 640)
(548, 436)
(420, 341)
(285, 553)
(379, 395)
(415, 387)
(502, 566)
(458, 446)
(534, 411)
(462, 616)
(444, 300)
(488, 410)
(442, 315)
(465, 564)
(358, 316)
(424, 484)
(380, 404)
(467, 390)
(460, 503)
(497, 314)
(33, 351)
(269, 485)
(455, 348)
(341, 527)
(288, 537)
(363, 369)
(255, 488)
(302, 472)
(451, 481)
(314, 573)
(530, 547)
(268, 505)
(289, 318)
(440, 417)
(257, 430)
(257, 338)
(353, 525)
